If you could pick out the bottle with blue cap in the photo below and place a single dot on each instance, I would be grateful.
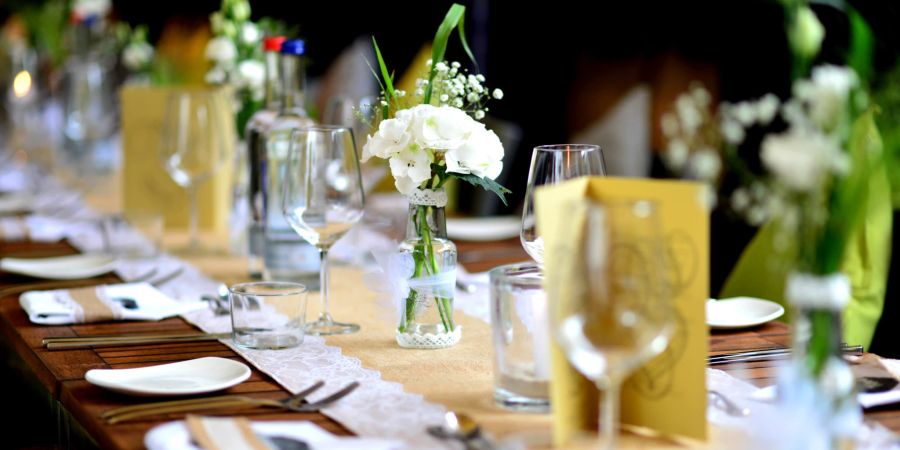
(287, 257)
(250, 192)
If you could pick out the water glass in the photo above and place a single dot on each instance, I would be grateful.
(521, 335)
(268, 314)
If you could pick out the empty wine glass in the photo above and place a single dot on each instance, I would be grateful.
(323, 198)
(193, 145)
(624, 316)
(552, 164)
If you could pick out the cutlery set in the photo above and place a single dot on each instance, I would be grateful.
(768, 354)
(294, 403)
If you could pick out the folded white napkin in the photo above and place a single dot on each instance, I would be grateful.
(65, 306)
(175, 435)
(34, 228)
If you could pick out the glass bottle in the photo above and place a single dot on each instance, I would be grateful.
(252, 188)
(426, 318)
(90, 116)
(286, 256)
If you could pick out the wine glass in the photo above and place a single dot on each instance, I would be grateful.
(193, 145)
(624, 315)
(552, 164)
(323, 198)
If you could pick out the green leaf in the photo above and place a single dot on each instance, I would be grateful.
(848, 200)
(465, 44)
(862, 46)
(388, 82)
(486, 183)
(439, 46)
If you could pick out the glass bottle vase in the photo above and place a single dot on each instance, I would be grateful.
(426, 312)
(819, 383)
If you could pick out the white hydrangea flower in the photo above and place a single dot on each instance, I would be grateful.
(250, 33)
(481, 155)
(221, 50)
(392, 137)
(440, 127)
(136, 55)
(410, 167)
(252, 75)
(799, 159)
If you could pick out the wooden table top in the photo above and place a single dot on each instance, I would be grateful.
(61, 373)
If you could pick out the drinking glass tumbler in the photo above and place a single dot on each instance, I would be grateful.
(268, 314)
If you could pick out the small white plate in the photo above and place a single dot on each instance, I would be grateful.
(70, 267)
(484, 228)
(741, 312)
(195, 376)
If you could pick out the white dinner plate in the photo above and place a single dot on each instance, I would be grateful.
(195, 376)
(484, 228)
(741, 312)
(60, 267)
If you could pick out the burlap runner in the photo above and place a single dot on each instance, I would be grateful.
(91, 306)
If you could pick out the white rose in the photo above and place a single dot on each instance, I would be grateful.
(442, 127)
(480, 155)
(137, 55)
(221, 50)
(250, 33)
(799, 160)
(88, 8)
(392, 137)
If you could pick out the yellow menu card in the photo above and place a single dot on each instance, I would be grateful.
(668, 394)
(146, 185)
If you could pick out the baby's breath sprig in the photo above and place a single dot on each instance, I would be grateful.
(454, 86)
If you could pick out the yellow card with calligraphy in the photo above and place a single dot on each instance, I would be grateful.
(146, 185)
(668, 394)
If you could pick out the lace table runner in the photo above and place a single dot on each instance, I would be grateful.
(378, 408)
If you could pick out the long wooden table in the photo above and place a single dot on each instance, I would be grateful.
(58, 408)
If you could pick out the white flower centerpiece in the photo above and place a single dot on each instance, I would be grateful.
(812, 183)
(429, 137)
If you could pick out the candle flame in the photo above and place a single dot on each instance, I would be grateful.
(22, 84)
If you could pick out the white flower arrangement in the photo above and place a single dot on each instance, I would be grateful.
(423, 135)
(83, 9)
(426, 142)
(803, 159)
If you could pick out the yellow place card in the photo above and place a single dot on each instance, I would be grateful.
(668, 394)
(146, 185)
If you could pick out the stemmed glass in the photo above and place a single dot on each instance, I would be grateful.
(624, 316)
(323, 198)
(193, 145)
(552, 164)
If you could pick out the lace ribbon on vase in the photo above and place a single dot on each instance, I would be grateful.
(428, 197)
(831, 292)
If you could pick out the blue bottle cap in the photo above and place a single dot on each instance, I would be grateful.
(293, 47)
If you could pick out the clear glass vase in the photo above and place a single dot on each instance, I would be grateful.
(426, 313)
(819, 383)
